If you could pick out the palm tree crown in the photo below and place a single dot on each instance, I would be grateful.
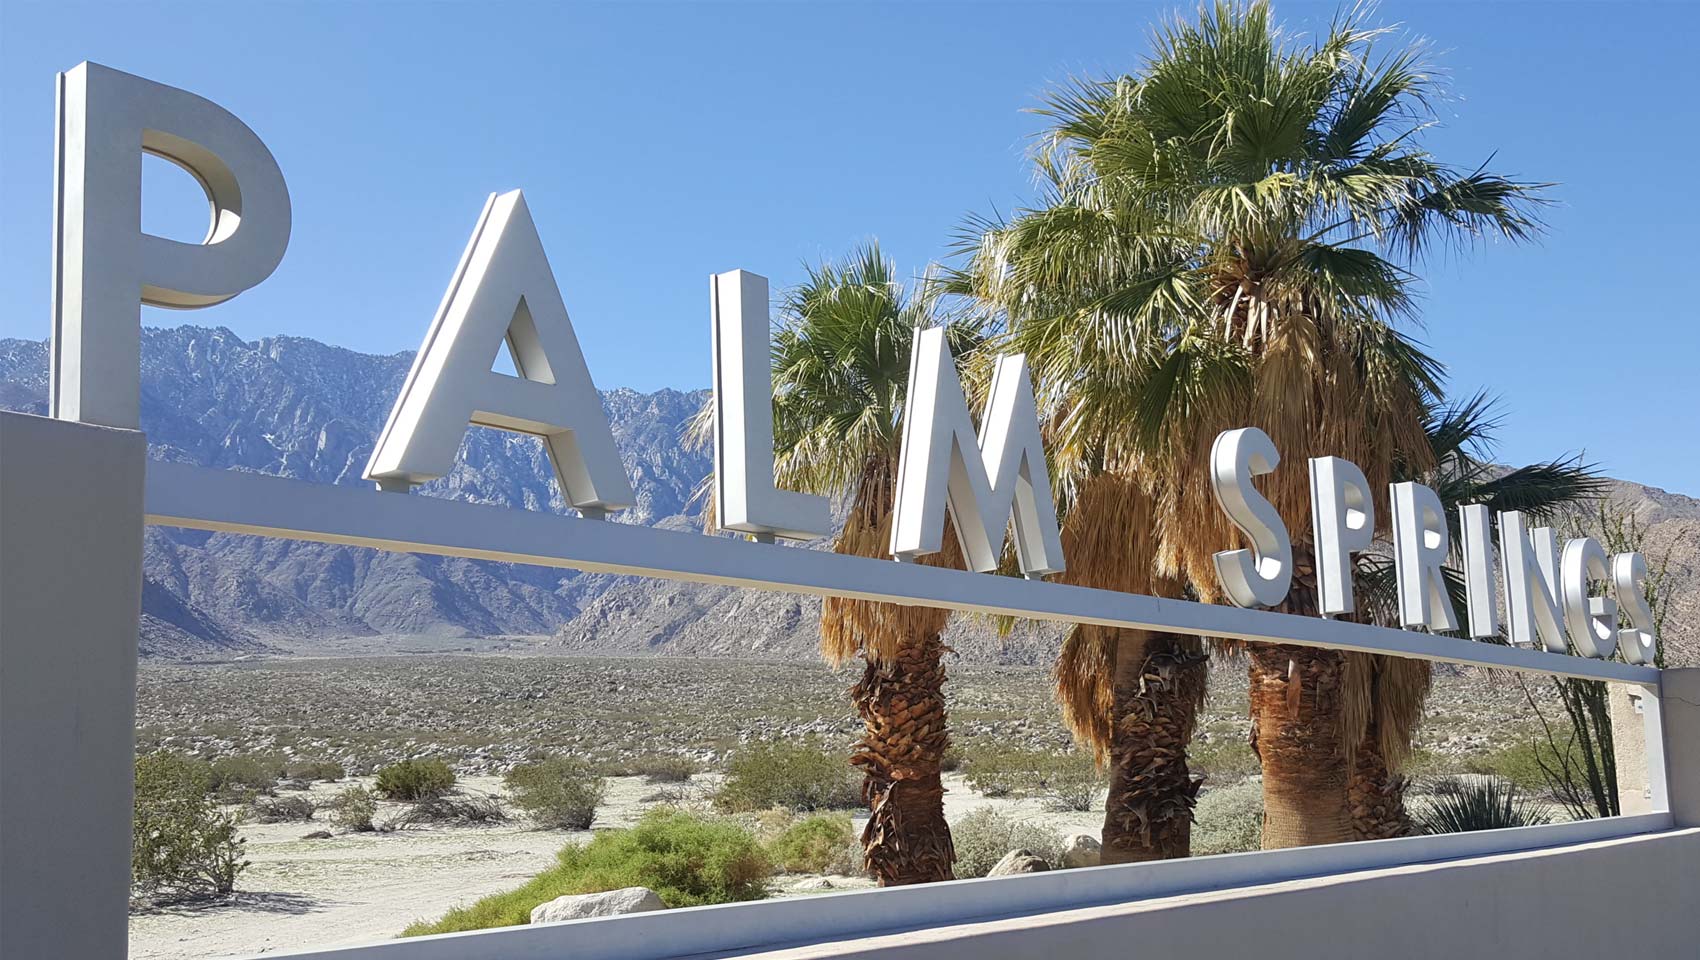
(841, 366)
(1227, 238)
(1232, 232)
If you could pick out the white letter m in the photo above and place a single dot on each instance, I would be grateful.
(980, 478)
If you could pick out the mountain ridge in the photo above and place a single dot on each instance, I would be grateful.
(295, 407)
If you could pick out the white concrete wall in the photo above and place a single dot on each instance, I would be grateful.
(70, 594)
(1629, 746)
(1634, 896)
(1679, 702)
(943, 917)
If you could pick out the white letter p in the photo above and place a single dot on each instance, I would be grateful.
(105, 267)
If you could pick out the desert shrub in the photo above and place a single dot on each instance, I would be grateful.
(411, 781)
(353, 810)
(244, 776)
(992, 771)
(686, 859)
(983, 836)
(769, 824)
(327, 770)
(1223, 760)
(1228, 819)
(817, 844)
(282, 810)
(1069, 780)
(792, 776)
(1463, 804)
(950, 761)
(560, 792)
(166, 772)
(184, 846)
(450, 810)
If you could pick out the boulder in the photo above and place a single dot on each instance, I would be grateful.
(1082, 851)
(610, 904)
(1019, 861)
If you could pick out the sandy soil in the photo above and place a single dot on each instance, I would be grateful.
(358, 888)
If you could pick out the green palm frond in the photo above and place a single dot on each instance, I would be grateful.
(1244, 185)
(840, 356)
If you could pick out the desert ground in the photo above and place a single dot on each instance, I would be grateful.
(484, 713)
(361, 887)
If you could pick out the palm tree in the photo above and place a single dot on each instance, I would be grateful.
(1132, 695)
(1227, 238)
(840, 371)
(1393, 690)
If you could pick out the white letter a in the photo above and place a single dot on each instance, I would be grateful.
(503, 289)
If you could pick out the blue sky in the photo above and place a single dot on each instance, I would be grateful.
(660, 143)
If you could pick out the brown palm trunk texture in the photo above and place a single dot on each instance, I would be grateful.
(1297, 729)
(1376, 795)
(1160, 682)
(901, 703)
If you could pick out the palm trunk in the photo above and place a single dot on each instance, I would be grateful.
(1159, 689)
(900, 698)
(901, 702)
(1375, 793)
(1297, 727)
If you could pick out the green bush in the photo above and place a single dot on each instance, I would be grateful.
(791, 776)
(283, 810)
(686, 859)
(1521, 763)
(1464, 804)
(245, 776)
(167, 773)
(1069, 780)
(983, 836)
(1228, 819)
(818, 844)
(183, 846)
(1424, 762)
(560, 792)
(951, 760)
(411, 781)
(353, 810)
(327, 770)
(994, 771)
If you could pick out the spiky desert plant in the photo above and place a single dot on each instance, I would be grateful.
(1480, 803)
(840, 372)
(1227, 238)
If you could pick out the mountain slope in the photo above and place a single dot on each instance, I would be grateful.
(299, 408)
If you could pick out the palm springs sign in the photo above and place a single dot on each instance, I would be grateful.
(989, 480)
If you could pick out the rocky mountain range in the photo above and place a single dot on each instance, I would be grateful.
(299, 408)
